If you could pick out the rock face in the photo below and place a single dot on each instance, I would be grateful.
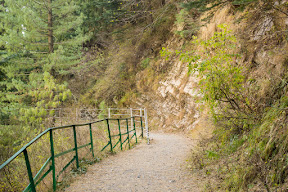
(265, 26)
(178, 93)
(172, 106)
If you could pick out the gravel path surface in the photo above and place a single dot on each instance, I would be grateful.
(158, 167)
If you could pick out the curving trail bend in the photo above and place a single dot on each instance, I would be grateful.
(158, 167)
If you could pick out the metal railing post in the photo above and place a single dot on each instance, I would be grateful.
(76, 148)
(29, 171)
(131, 115)
(120, 137)
(91, 139)
(141, 126)
(134, 128)
(146, 125)
(53, 160)
(109, 134)
(50, 164)
(128, 133)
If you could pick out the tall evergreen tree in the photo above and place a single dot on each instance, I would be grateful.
(99, 14)
(37, 36)
(40, 26)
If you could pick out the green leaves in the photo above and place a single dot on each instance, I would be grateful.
(46, 96)
(99, 14)
(215, 64)
(221, 81)
(165, 53)
(25, 66)
(26, 27)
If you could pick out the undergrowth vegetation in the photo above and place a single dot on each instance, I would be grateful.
(124, 49)
(248, 151)
(93, 64)
(133, 48)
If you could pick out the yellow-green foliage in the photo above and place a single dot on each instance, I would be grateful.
(213, 61)
(250, 142)
(46, 95)
(14, 176)
(216, 66)
(104, 111)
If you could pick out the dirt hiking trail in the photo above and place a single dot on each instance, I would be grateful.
(158, 167)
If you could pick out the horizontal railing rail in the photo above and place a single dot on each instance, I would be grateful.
(123, 137)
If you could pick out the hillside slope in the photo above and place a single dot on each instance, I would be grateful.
(218, 66)
(247, 149)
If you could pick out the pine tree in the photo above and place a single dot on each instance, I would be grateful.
(36, 36)
(45, 29)
(99, 14)
(40, 27)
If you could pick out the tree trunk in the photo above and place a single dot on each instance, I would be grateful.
(50, 28)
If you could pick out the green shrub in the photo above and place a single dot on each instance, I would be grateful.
(145, 63)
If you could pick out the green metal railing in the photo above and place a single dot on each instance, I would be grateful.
(34, 181)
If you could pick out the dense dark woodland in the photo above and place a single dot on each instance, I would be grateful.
(58, 53)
